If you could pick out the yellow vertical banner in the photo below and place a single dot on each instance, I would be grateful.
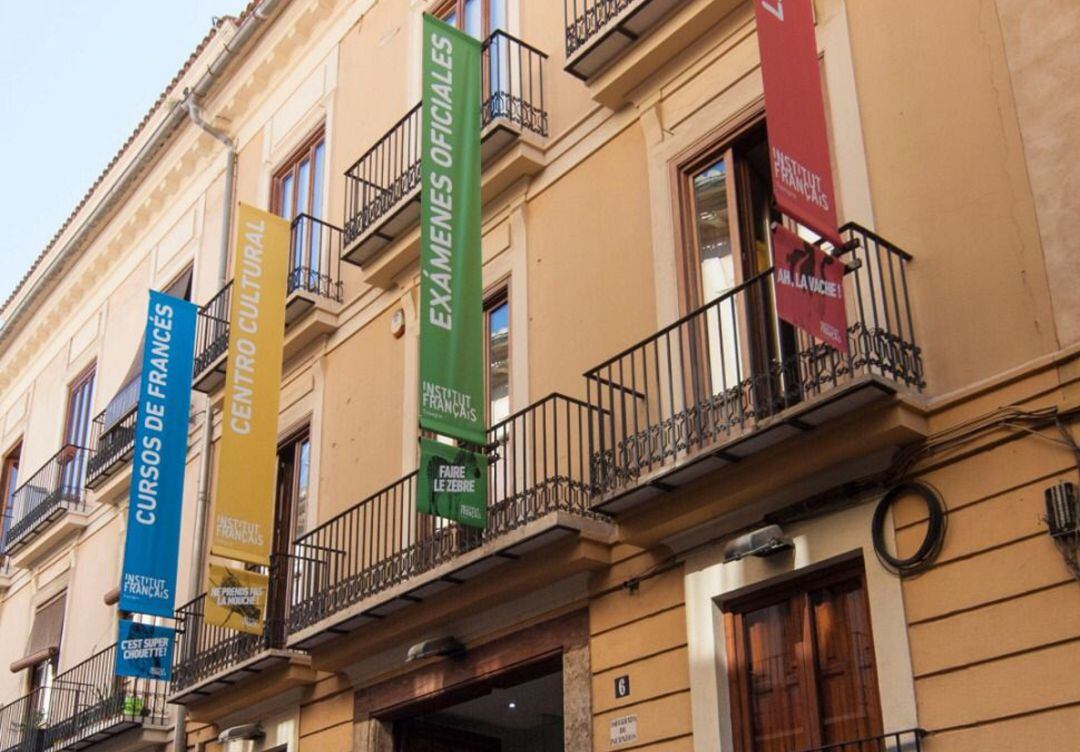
(244, 504)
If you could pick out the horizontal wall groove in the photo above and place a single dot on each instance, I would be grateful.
(996, 658)
(1003, 718)
(1069, 468)
(643, 701)
(989, 604)
(638, 619)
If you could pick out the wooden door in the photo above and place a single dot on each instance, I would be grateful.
(801, 666)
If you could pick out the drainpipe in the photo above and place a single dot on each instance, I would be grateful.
(203, 498)
(202, 502)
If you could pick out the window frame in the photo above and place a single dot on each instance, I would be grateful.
(445, 7)
(9, 473)
(290, 165)
(800, 587)
(86, 376)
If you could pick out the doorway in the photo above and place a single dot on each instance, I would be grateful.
(738, 349)
(520, 711)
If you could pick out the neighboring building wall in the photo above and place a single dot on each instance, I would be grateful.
(951, 183)
(1041, 56)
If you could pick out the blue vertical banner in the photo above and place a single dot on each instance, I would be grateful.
(144, 651)
(151, 551)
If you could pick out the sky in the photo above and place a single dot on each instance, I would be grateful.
(76, 77)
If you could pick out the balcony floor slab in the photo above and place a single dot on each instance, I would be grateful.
(540, 533)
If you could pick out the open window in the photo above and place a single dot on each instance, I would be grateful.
(739, 349)
(9, 481)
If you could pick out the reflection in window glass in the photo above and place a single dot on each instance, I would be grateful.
(498, 347)
(712, 225)
(303, 462)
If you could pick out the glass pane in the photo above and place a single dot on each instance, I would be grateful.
(779, 712)
(303, 195)
(451, 18)
(497, 14)
(713, 235)
(474, 22)
(315, 209)
(498, 362)
(287, 188)
(846, 676)
(302, 472)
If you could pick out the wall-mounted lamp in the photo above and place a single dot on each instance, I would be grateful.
(439, 647)
(764, 541)
(1063, 519)
(247, 732)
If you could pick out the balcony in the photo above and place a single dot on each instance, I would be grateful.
(900, 741)
(209, 658)
(48, 507)
(85, 705)
(614, 45)
(382, 555)
(382, 189)
(212, 341)
(729, 379)
(112, 436)
(313, 298)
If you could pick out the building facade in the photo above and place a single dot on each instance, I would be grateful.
(707, 531)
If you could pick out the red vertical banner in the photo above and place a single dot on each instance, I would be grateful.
(795, 115)
(809, 286)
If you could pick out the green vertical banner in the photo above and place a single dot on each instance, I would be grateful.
(453, 483)
(451, 316)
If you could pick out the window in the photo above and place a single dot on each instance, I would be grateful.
(478, 18)
(9, 481)
(298, 189)
(77, 433)
(298, 184)
(290, 520)
(294, 466)
(497, 355)
(801, 665)
(727, 212)
(42, 654)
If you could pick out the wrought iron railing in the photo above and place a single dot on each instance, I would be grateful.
(385, 174)
(212, 329)
(586, 18)
(513, 74)
(89, 699)
(315, 257)
(204, 649)
(110, 443)
(898, 741)
(721, 370)
(541, 465)
(513, 81)
(23, 723)
(53, 489)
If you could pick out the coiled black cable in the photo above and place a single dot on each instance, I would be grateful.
(935, 531)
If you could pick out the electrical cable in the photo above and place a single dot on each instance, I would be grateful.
(928, 550)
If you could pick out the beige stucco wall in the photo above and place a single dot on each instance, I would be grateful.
(361, 438)
(950, 185)
(590, 284)
(1040, 48)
